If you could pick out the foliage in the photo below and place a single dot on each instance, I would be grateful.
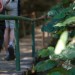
(69, 52)
(58, 15)
(58, 71)
(72, 71)
(62, 24)
(67, 22)
(61, 44)
(45, 65)
(45, 52)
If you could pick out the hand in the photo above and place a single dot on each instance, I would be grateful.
(7, 2)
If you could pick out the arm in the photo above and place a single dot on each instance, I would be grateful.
(7, 2)
(1, 6)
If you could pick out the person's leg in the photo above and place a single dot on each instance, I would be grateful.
(6, 37)
(2, 29)
(11, 41)
(10, 49)
(10, 46)
(12, 26)
(8, 40)
(1, 38)
(6, 33)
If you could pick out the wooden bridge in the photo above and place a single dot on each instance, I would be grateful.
(26, 60)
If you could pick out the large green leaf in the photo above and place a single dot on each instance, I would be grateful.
(69, 21)
(58, 71)
(71, 71)
(59, 24)
(61, 44)
(45, 65)
(69, 52)
(60, 15)
(65, 12)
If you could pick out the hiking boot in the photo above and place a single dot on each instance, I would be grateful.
(11, 55)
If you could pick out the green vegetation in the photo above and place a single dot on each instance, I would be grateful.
(61, 26)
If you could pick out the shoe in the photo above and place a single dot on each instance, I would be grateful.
(10, 58)
(11, 55)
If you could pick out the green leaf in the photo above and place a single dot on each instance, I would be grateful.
(52, 12)
(51, 50)
(45, 65)
(63, 13)
(58, 24)
(61, 44)
(69, 52)
(58, 71)
(69, 21)
(72, 71)
(43, 53)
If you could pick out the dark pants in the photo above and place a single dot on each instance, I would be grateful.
(2, 28)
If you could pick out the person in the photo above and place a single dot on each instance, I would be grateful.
(2, 28)
(1, 6)
(11, 8)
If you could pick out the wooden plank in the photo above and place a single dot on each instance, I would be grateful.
(26, 60)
